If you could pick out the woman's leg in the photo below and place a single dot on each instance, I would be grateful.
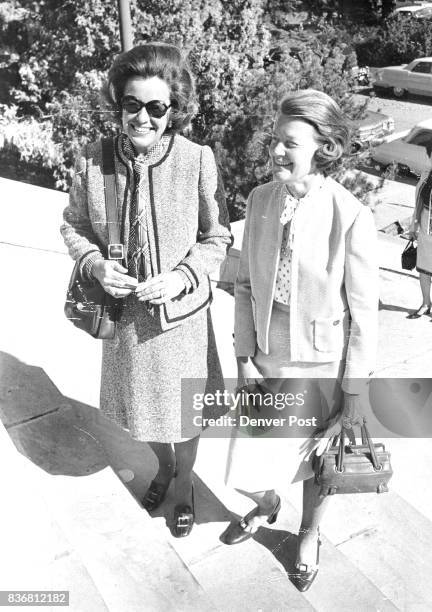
(314, 507)
(185, 455)
(166, 457)
(425, 286)
(266, 502)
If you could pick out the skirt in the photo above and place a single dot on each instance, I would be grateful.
(283, 456)
(149, 375)
(424, 244)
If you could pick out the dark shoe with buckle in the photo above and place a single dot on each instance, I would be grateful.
(240, 531)
(420, 312)
(155, 495)
(303, 578)
(184, 518)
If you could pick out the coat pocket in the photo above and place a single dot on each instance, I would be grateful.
(328, 334)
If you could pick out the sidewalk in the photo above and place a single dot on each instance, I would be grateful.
(71, 512)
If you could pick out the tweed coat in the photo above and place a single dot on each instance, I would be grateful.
(334, 278)
(145, 365)
(189, 217)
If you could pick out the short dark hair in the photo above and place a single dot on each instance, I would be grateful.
(325, 115)
(155, 59)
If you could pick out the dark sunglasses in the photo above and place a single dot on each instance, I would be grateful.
(155, 108)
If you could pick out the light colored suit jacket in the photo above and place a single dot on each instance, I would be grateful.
(334, 278)
(189, 217)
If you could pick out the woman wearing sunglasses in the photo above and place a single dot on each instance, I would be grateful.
(175, 230)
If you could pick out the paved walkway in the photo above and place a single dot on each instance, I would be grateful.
(71, 518)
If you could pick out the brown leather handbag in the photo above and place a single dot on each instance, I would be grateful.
(352, 468)
(87, 305)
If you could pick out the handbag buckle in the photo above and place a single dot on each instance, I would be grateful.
(115, 251)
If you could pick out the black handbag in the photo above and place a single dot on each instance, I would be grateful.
(409, 256)
(352, 468)
(88, 306)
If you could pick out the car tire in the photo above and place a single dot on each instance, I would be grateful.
(404, 170)
(399, 92)
(380, 168)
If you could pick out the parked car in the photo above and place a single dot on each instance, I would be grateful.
(372, 129)
(400, 3)
(424, 13)
(415, 77)
(408, 152)
(407, 11)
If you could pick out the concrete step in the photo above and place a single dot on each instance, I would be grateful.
(338, 584)
(125, 552)
(89, 536)
(110, 541)
(389, 542)
(35, 554)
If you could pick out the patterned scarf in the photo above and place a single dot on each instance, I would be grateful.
(139, 257)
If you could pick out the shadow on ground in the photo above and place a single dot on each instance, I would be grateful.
(282, 545)
(66, 437)
(394, 308)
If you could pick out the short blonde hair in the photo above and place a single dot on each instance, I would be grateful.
(325, 115)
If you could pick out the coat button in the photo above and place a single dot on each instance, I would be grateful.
(336, 322)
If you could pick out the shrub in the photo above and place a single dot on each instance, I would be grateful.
(398, 41)
(64, 51)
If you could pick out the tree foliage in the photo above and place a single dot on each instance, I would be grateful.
(58, 54)
(396, 41)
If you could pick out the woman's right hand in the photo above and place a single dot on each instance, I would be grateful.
(114, 278)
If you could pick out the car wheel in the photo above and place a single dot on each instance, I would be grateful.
(381, 168)
(403, 170)
(399, 92)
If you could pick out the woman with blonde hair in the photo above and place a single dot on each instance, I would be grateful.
(306, 304)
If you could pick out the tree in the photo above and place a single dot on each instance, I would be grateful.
(64, 51)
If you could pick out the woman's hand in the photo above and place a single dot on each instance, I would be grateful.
(352, 414)
(113, 277)
(161, 288)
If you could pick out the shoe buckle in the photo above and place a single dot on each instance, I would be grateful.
(246, 527)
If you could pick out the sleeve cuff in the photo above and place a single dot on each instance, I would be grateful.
(86, 265)
(185, 279)
(188, 277)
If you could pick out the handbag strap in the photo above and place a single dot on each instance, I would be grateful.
(110, 188)
(409, 245)
(366, 436)
(366, 440)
